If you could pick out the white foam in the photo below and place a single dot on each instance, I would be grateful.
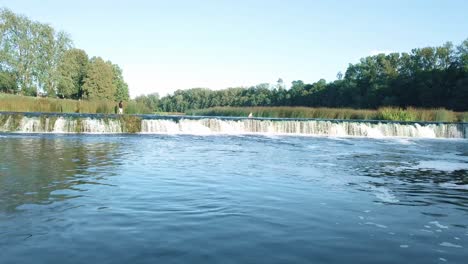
(214, 126)
(448, 244)
(449, 185)
(427, 231)
(296, 127)
(436, 223)
(442, 165)
(374, 224)
(384, 194)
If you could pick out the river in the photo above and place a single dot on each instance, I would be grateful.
(170, 198)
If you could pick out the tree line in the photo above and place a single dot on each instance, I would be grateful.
(430, 77)
(35, 59)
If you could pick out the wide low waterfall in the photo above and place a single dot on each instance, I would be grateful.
(308, 127)
(151, 124)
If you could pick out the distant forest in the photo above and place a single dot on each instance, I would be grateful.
(431, 77)
(36, 60)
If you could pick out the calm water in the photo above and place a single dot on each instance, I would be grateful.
(232, 199)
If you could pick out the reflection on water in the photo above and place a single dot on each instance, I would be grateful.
(34, 168)
(239, 199)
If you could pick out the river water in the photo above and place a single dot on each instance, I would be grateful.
(232, 199)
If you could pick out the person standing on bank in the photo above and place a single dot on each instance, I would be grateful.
(120, 107)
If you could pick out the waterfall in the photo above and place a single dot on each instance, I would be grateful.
(151, 124)
(306, 127)
(60, 124)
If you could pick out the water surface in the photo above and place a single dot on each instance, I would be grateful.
(232, 199)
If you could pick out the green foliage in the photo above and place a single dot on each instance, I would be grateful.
(395, 114)
(136, 107)
(430, 77)
(72, 70)
(463, 117)
(445, 115)
(35, 60)
(130, 123)
(32, 51)
(151, 101)
(17, 103)
(386, 113)
(99, 80)
(8, 82)
(121, 87)
(104, 107)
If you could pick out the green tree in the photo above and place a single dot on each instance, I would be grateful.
(17, 49)
(151, 101)
(72, 72)
(31, 51)
(99, 80)
(121, 87)
(48, 56)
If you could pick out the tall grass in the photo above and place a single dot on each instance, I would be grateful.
(386, 113)
(17, 103)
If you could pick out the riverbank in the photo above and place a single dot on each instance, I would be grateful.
(18, 103)
(386, 113)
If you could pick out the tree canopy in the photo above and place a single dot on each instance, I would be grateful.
(36, 59)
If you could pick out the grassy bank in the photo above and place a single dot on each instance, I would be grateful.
(17, 103)
(387, 113)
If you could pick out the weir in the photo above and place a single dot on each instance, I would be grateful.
(12, 122)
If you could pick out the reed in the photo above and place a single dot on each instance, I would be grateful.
(130, 123)
(18, 103)
(386, 113)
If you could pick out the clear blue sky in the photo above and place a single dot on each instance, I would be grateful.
(167, 45)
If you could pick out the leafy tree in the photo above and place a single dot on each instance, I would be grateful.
(41, 60)
(99, 80)
(151, 101)
(72, 72)
(17, 49)
(121, 87)
(48, 56)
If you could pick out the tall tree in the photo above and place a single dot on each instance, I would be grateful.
(72, 72)
(121, 87)
(17, 49)
(51, 48)
(99, 80)
(31, 51)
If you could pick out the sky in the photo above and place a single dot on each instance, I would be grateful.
(167, 45)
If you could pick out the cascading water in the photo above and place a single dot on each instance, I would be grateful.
(47, 124)
(150, 124)
(307, 127)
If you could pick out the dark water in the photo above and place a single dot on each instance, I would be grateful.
(232, 199)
